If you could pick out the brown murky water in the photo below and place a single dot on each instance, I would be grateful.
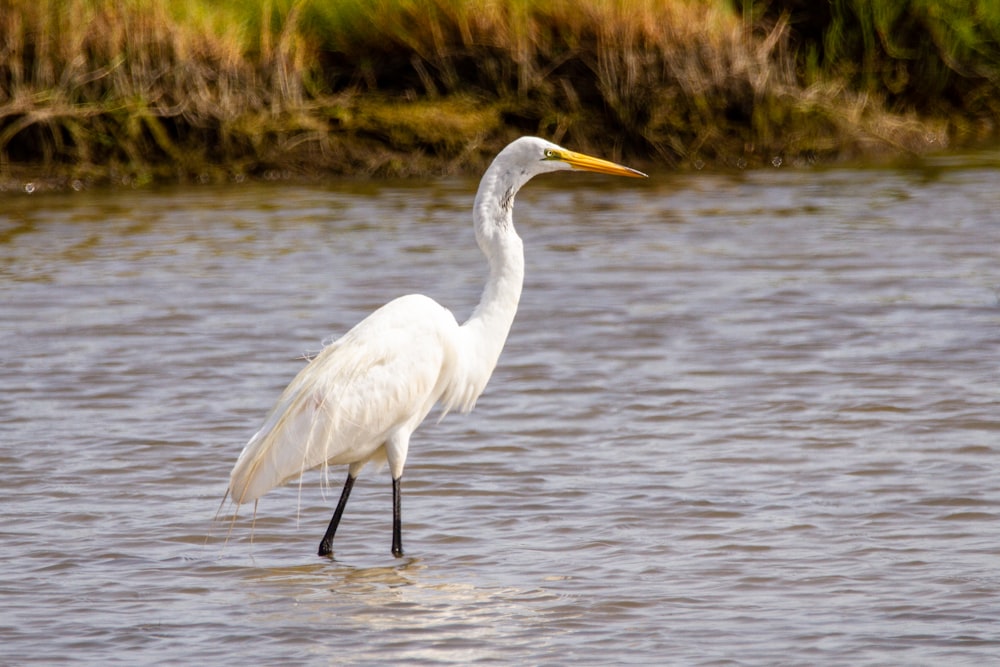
(743, 419)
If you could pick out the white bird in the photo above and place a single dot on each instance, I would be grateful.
(362, 397)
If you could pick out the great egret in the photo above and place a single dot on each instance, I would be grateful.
(363, 396)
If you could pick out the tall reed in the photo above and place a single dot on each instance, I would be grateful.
(684, 80)
(926, 56)
(193, 88)
(142, 86)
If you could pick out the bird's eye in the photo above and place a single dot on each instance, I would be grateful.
(550, 154)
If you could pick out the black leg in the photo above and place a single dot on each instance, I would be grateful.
(397, 521)
(326, 545)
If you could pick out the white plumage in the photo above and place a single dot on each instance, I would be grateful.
(363, 396)
(354, 396)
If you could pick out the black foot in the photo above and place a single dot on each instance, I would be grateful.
(325, 548)
(397, 552)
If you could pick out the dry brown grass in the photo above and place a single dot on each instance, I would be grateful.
(126, 87)
(683, 81)
(147, 89)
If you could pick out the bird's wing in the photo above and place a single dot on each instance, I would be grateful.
(386, 373)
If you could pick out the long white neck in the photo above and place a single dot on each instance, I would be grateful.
(489, 324)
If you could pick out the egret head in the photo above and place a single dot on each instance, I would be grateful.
(532, 156)
(514, 166)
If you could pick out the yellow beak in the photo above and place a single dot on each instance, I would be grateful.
(588, 163)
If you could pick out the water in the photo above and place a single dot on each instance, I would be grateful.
(741, 419)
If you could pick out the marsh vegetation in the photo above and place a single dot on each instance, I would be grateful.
(145, 90)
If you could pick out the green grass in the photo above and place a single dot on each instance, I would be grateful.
(932, 57)
(153, 90)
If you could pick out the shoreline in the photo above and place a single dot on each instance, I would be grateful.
(30, 180)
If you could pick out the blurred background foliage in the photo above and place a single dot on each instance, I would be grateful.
(194, 89)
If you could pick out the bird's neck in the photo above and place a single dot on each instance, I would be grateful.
(491, 321)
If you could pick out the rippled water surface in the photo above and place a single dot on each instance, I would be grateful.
(740, 419)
